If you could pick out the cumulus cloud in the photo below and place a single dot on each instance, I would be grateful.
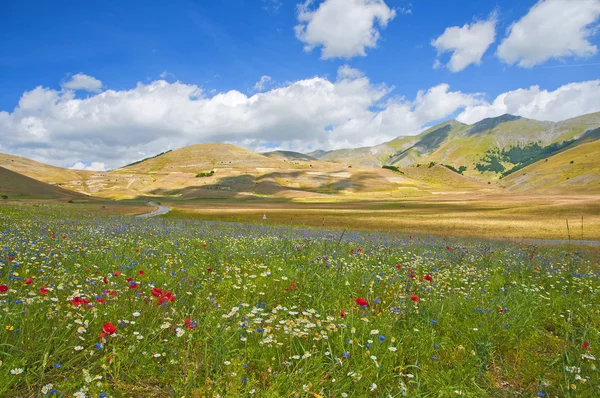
(84, 82)
(262, 83)
(93, 166)
(551, 29)
(565, 102)
(115, 127)
(467, 43)
(343, 28)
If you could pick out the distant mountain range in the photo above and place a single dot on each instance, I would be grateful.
(495, 154)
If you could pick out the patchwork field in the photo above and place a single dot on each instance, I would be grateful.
(107, 305)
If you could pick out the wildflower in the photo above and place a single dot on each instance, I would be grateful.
(428, 278)
(189, 324)
(179, 332)
(140, 272)
(16, 371)
(165, 325)
(78, 348)
(374, 331)
(136, 314)
(585, 345)
(342, 314)
(414, 298)
(46, 389)
(3, 288)
(28, 281)
(392, 349)
(108, 328)
(362, 302)
(373, 387)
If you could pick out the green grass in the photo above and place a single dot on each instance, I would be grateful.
(267, 302)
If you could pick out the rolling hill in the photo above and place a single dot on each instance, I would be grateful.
(17, 186)
(503, 153)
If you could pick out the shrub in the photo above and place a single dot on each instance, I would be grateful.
(206, 174)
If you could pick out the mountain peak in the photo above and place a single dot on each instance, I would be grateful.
(491, 122)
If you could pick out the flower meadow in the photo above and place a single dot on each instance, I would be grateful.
(99, 306)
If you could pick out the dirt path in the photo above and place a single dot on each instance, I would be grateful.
(160, 209)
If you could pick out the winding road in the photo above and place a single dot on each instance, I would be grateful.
(160, 209)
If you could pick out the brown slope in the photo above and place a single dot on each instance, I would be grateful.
(15, 185)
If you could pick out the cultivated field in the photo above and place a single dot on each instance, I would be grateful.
(96, 304)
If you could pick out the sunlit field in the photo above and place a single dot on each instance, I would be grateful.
(109, 305)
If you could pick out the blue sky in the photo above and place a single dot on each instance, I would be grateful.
(224, 46)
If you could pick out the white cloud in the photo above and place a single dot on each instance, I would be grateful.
(81, 81)
(261, 84)
(343, 28)
(551, 29)
(565, 102)
(113, 127)
(94, 166)
(467, 43)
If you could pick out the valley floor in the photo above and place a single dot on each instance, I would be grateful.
(488, 216)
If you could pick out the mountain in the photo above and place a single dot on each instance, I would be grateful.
(502, 153)
(17, 186)
(457, 144)
(289, 156)
(575, 170)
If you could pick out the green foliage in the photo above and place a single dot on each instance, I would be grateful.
(206, 174)
(492, 161)
(524, 156)
(460, 170)
(393, 168)
(431, 164)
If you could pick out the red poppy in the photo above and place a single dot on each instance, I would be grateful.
(28, 281)
(137, 250)
(398, 266)
(11, 258)
(77, 301)
(162, 296)
(129, 279)
(44, 290)
(117, 273)
(447, 247)
(585, 345)
(362, 302)
(428, 278)
(3, 288)
(293, 286)
(140, 272)
(414, 298)
(342, 314)
(204, 245)
(109, 328)
(531, 256)
(100, 300)
(104, 280)
(411, 237)
(500, 309)
(209, 269)
(64, 236)
(133, 285)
